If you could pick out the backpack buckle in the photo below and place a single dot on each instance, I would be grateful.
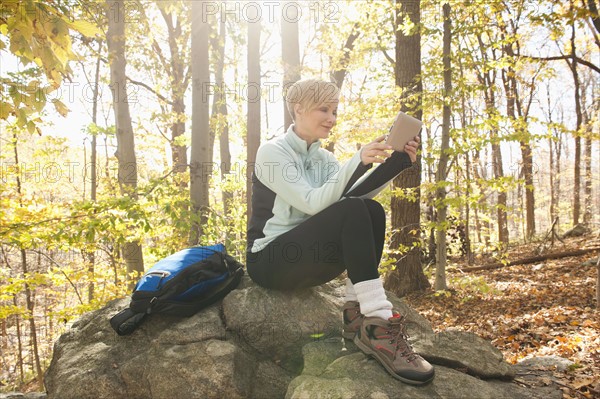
(152, 301)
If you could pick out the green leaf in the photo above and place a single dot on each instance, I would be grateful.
(5, 109)
(84, 27)
(31, 127)
(60, 107)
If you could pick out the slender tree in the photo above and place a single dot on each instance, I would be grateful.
(200, 158)
(127, 172)
(517, 109)
(442, 172)
(587, 158)
(220, 124)
(487, 79)
(340, 67)
(579, 122)
(254, 96)
(91, 255)
(179, 78)
(290, 54)
(171, 67)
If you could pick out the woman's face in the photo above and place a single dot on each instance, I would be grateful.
(316, 124)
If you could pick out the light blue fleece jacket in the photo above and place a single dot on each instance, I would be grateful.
(292, 182)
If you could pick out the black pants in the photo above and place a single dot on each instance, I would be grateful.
(348, 235)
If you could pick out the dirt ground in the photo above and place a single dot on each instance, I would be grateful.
(541, 309)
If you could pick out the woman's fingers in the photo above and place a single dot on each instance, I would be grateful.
(378, 151)
(375, 152)
(411, 148)
(379, 139)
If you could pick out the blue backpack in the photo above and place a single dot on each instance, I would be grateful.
(180, 284)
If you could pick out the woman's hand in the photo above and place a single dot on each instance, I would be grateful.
(376, 151)
(411, 148)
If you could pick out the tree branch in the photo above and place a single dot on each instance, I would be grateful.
(566, 58)
(144, 85)
(60, 267)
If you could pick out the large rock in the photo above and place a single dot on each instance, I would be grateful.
(166, 357)
(252, 345)
(332, 371)
(577, 231)
(277, 324)
(466, 352)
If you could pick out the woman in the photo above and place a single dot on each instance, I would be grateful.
(313, 218)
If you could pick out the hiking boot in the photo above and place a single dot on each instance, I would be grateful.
(387, 341)
(352, 319)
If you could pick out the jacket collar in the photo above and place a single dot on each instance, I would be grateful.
(298, 144)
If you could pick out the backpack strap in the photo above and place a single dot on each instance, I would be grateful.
(126, 321)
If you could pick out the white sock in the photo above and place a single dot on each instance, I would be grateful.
(350, 294)
(372, 299)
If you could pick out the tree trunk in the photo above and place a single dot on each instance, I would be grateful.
(587, 159)
(32, 327)
(178, 83)
(338, 75)
(19, 343)
(527, 155)
(557, 174)
(552, 185)
(408, 275)
(502, 206)
(598, 284)
(290, 54)
(442, 172)
(468, 165)
(91, 256)
(482, 226)
(470, 257)
(587, 211)
(595, 15)
(27, 290)
(253, 120)
(127, 172)
(577, 164)
(487, 79)
(497, 168)
(220, 113)
(340, 69)
(200, 164)
(514, 108)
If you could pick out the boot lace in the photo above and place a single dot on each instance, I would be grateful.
(400, 339)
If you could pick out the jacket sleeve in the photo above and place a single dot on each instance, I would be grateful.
(276, 169)
(371, 184)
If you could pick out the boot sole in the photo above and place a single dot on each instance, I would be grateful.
(368, 351)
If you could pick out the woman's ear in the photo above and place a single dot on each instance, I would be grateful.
(297, 109)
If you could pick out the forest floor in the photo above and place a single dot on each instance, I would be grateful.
(541, 309)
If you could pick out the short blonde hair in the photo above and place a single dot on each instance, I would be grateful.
(310, 94)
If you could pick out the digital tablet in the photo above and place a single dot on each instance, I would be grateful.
(404, 129)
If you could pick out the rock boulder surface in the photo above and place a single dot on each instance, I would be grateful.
(258, 343)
